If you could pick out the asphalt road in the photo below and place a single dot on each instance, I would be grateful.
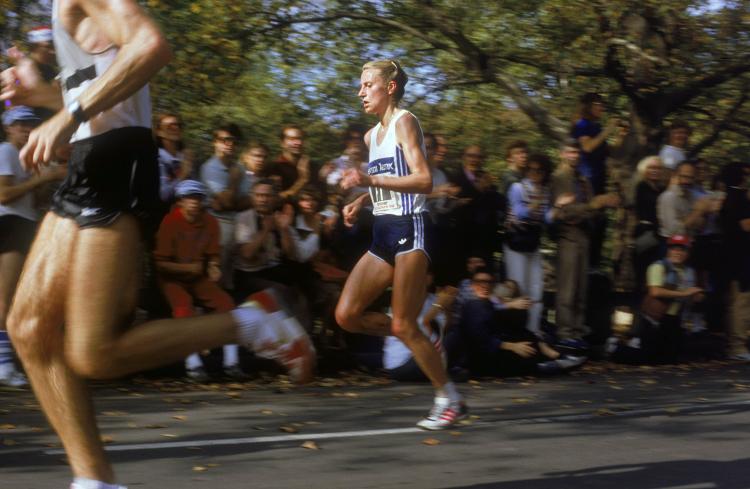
(602, 427)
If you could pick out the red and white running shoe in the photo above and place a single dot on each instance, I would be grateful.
(283, 339)
(444, 414)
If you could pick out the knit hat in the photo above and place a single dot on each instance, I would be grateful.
(190, 187)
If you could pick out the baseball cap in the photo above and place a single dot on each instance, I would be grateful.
(190, 187)
(20, 113)
(679, 240)
(40, 34)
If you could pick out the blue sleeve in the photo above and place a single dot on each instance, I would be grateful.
(516, 203)
(6, 161)
(476, 319)
(209, 180)
(584, 127)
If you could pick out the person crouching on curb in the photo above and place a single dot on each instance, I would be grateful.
(187, 260)
(672, 289)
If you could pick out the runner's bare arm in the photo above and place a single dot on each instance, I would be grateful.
(143, 51)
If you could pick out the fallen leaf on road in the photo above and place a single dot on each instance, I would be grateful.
(455, 433)
(288, 429)
(199, 468)
(604, 412)
(266, 411)
(431, 441)
(310, 445)
(7, 426)
(154, 426)
(107, 438)
(168, 435)
(180, 417)
(9, 443)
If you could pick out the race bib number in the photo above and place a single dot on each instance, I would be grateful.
(383, 199)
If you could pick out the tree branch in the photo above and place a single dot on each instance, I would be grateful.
(678, 97)
(479, 61)
(719, 126)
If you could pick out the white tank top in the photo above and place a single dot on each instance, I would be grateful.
(79, 69)
(387, 159)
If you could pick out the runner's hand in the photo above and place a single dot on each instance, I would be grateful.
(350, 212)
(354, 178)
(43, 140)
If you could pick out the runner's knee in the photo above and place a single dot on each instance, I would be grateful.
(347, 318)
(31, 336)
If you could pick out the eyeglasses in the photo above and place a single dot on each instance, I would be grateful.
(172, 125)
(227, 139)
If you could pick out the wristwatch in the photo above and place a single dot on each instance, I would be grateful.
(76, 111)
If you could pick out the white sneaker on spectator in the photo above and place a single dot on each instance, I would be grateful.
(281, 338)
(443, 414)
(741, 357)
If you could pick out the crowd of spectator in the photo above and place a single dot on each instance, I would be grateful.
(517, 272)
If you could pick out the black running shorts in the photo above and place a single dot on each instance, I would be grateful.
(110, 174)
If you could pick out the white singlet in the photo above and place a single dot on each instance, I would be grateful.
(387, 159)
(79, 69)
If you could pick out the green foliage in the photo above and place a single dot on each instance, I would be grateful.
(481, 71)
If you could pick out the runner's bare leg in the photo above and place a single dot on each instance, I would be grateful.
(89, 277)
(409, 290)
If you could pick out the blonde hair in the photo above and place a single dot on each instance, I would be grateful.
(390, 70)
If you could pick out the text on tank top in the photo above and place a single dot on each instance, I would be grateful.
(79, 69)
(387, 160)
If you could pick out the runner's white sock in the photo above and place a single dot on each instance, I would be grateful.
(193, 361)
(249, 319)
(83, 483)
(231, 355)
(449, 390)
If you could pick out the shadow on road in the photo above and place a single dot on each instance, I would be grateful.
(695, 474)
